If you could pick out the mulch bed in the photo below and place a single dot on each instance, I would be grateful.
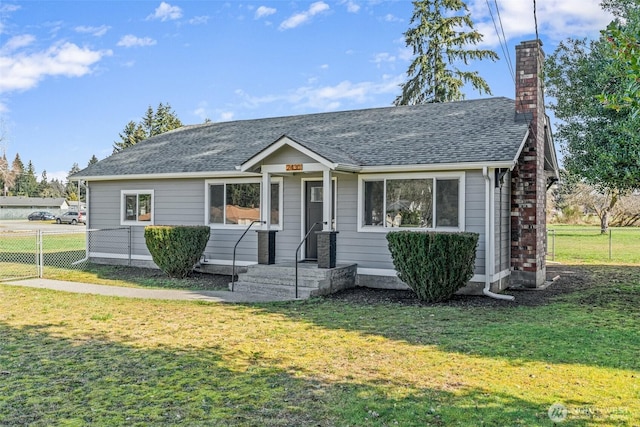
(567, 280)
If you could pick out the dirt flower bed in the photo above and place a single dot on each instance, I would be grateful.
(568, 280)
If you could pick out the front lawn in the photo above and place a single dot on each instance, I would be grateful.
(77, 360)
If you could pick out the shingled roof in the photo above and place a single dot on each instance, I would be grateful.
(474, 131)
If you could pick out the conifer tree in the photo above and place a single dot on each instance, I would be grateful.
(440, 37)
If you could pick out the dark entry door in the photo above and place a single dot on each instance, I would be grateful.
(313, 214)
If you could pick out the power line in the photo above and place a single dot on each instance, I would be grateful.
(505, 39)
(503, 42)
(535, 19)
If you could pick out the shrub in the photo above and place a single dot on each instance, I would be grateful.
(433, 265)
(176, 249)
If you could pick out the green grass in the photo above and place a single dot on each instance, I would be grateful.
(586, 245)
(68, 360)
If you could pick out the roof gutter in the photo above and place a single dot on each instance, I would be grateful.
(489, 232)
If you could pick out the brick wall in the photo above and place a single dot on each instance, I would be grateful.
(528, 184)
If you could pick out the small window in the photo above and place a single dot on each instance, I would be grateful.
(137, 206)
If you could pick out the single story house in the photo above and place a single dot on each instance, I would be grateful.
(19, 207)
(479, 165)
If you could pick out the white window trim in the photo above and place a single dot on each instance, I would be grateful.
(274, 180)
(123, 207)
(439, 175)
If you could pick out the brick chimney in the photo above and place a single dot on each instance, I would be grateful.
(528, 183)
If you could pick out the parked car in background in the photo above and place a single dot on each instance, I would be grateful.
(72, 217)
(41, 216)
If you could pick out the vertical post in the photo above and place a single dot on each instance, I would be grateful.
(327, 197)
(130, 249)
(39, 245)
(553, 242)
(265, 205)
(610, 238)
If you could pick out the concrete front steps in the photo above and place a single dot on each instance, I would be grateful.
(280, 279)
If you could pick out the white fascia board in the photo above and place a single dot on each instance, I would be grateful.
(179, 175)
(524, 140)
(436, 167)
(285, 140)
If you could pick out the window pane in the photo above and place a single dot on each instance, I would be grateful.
(243, 203)
(216, 204)
(144, 207)
(373, 197)
(275, 204)
(131, 208)
(447, 203)
(409, 203)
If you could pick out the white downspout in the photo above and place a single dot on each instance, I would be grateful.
(489, 230)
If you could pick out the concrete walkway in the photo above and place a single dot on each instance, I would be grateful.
(162, 294)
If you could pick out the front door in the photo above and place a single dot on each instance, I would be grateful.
(313, 215)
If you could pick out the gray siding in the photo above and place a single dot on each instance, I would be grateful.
(288, 155)
(181, 202)
(503, 225)
(475, 213)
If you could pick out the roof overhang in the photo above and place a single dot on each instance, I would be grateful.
(179, 175)
(286, 141)
(550, 157)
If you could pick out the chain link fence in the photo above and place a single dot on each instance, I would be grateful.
(590, 245)
(27, 254)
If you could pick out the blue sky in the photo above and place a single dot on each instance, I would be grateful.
(74, 73)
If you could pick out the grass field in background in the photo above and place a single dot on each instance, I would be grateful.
(68, 359)
(586, 245)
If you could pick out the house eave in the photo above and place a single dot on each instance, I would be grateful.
(437, 167)
(173, 175)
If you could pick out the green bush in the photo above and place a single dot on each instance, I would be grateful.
(176, 249)
(433, 265)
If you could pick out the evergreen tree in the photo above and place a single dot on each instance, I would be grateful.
(440, 39)
(153, 123)
(29, 183)
(131, 135)
(72, 186)
(18, 169)
(93, 160)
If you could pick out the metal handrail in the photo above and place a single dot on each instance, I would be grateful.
(233, 263)
(298, 250)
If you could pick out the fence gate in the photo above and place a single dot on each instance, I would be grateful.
(19, 253)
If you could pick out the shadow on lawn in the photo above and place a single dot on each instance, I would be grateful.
(590, 316)
(48, 380)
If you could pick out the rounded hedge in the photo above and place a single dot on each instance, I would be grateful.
(433, 264)
(176, 248)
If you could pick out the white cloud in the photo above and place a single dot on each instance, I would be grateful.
(352, 6)
(327, 98)
(7, 8)
(557, 19)
(132, 41)
(199, 20)
(22, 71)
(166, 12)
(226, 115)
(382, 57)
(303, 17)
(263, 11)
(17, 42)
(95, 31)
(391, 18)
